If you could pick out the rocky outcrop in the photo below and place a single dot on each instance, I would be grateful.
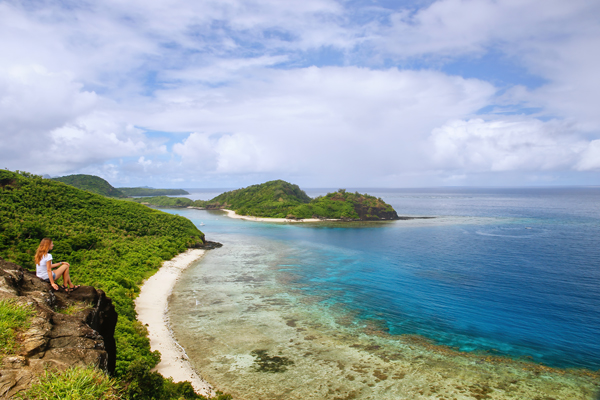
(67, 329)
(370, 213)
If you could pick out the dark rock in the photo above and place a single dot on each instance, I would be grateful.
(54, 339)
(208, 245)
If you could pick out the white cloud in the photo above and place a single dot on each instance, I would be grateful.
(74, 81)
(342, 122)
(590, 159)
(554, 40)
(520, 145)
(95, 138)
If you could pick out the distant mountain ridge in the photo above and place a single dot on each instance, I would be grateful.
(91, 183)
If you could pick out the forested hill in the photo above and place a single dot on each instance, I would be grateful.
(143, 191)
(111, 245)
(267, 199)
(92, 183)
(280, 199)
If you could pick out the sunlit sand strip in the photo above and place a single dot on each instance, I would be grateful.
(151, 306)
(405, 220)
(232, 214)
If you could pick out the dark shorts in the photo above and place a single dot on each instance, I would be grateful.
(53, 277)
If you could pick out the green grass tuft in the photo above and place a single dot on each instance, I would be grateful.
(14, 317)
(75, 383)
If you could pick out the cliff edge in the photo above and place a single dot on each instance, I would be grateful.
(66, 329)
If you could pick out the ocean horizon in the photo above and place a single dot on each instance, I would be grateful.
(503, 283)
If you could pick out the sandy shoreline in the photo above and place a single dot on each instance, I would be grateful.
(232, 214)
(151, 306)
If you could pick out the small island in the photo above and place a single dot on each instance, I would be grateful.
(281, 199)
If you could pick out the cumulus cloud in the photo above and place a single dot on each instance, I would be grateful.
(229, 153)
(246, 87)
(554, 40)
(590, 158)
(525, 144)
(51, 125)
(337, 121)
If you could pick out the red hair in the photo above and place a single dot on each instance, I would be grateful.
(42, 250)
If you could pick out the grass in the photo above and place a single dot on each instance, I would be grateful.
(75, 383)
(73, 309)
(14, 318)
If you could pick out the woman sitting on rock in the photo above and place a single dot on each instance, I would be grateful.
(43, 267)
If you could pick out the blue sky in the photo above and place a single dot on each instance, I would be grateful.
(322, 93)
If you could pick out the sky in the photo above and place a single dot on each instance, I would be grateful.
(321, 93)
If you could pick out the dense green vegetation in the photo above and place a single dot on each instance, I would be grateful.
(111, 244)
(141, 191)
(274, 198)
(280, 199)
(164, 201)
(91, 183)
(345, 205)
(13, 318)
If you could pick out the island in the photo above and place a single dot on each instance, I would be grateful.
(281, 199)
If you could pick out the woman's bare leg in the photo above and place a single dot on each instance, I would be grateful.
(63, 271)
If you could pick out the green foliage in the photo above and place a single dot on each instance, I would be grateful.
(14, 317)
(344, 205)
(74, 383)
(164, 201)
(270, 199)
(141, 191)
(145, 384)
(111, 244)
(91, 183)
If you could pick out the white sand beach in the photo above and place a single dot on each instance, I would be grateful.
(232, 214)
(151, 306)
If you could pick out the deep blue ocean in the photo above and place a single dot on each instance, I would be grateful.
(513, 272)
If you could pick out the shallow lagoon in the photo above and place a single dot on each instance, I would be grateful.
(344, 312)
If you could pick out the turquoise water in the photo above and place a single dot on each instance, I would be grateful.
(512, 272)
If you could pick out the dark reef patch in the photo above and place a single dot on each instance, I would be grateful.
(266, 363)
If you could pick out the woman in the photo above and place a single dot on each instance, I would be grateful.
(43, 267)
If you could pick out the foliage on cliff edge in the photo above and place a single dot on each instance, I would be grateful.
(111, 244)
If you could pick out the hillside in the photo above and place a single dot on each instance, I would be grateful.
(270, 199)
(143, 191)
(91, 183)
(280, 199)
(111, 244)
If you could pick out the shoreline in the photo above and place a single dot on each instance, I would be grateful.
(232, 214)
(151, 306)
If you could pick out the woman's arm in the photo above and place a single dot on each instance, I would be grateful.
(49, 266)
